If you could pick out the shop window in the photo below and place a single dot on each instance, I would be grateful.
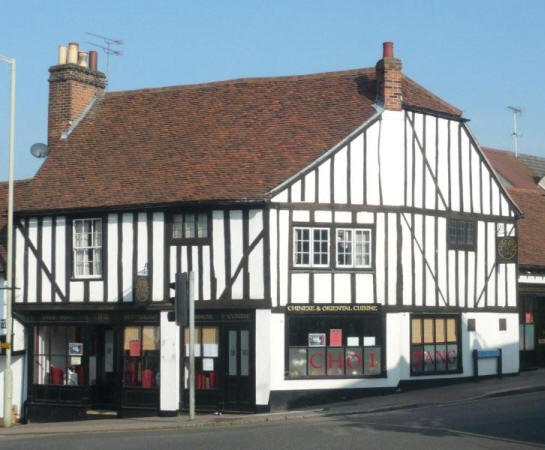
(461, 234)
(189, 226)
(310, 247)
(334, 346)
(354, 248)
(141, 346)
(87, 248)
(206, 358)
(58, 355)
(526, 325)
(434, 345)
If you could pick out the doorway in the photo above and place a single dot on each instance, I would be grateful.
(238, 368)
(104, 367)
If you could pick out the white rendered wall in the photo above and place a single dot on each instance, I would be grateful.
(170, 365)
(264, 347)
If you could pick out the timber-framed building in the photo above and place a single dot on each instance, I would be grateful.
(345, 230)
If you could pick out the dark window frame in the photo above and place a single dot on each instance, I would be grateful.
(459, 365)
(456, 245)
(141, 358)
(189, 241)
(361, 316)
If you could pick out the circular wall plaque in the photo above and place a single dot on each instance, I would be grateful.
(507, 249)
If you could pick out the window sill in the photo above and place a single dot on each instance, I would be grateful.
(97, 278)
(445, 372)
(325, 377)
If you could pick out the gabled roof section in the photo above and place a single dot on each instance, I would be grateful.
(531, 200)
(223, 141)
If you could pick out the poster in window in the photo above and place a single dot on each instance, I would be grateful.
(208, 364)
(131, 334)
(150, 338)
(298, 361)
(353, 341)
(75, 349)
(316, 339)
(335, 337)
(135, 348)
(372, 361)
(369, 341)
(210, 342)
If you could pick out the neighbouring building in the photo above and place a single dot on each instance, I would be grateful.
(523, 176)
(342, 228)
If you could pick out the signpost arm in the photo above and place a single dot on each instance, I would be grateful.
(191, 346)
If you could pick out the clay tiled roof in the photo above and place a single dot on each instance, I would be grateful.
(530, 199)
(512, 170)
(531, 226)
(223, 141)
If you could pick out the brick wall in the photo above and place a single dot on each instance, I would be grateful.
(71, 89)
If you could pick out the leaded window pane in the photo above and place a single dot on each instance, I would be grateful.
(177, 226)
(189, 226)
(202, 226)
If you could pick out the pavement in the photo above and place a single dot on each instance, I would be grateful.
(464, 391)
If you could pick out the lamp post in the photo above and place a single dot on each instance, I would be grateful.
(9, 270)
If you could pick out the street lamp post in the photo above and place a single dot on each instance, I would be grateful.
(9, 270)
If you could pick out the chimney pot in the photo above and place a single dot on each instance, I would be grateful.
(389, 79)
(387, 49)
(93, 61)
(82, 59)
(73, 50)
(62, 54)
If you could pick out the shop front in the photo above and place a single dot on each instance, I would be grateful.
(224, 361)
(83, 364)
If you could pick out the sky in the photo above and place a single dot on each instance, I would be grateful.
(481, 56)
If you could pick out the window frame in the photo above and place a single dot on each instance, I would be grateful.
(311, 264)
(191, 240)
(74, 275)
(142, 358)
(453, 245)
(381, 318)
(353, 265)
(459, 356)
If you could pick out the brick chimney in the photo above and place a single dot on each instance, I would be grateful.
(73, 84)
(389, 78)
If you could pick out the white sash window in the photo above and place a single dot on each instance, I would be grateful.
(87, 247)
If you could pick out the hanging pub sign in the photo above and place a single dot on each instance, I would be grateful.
(141, 289)
(506, 249)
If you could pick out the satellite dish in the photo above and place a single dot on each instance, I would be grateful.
(39, 150)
